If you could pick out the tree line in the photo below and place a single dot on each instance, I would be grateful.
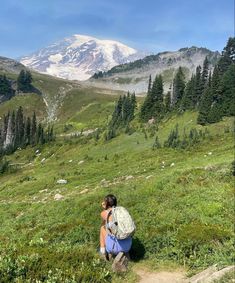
(122, 115)
(23, 84)
(17, 130)
(210, 93)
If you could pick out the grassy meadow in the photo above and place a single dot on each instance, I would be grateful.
(181, 200)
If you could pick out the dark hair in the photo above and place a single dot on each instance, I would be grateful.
(110, 201)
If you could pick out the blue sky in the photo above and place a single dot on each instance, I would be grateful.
(148, 25)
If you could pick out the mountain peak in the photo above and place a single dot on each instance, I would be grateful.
(80, 56)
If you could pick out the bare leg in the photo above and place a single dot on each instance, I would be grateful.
(103, 234)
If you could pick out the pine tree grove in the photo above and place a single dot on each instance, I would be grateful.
(17, 131)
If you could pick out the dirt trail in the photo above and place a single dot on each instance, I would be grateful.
(206, 276)
(161, 276)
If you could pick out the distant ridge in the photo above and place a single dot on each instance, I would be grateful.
(133, 76)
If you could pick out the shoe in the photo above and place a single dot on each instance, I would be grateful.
(120, 263)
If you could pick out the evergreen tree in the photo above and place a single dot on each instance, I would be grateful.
(150, 84)
(157, 108)
(40, 139)
(205, 73)
(133, 106)
(122, 115)
(27, 131)
(168, 102)
(5, 86)
(146, 111)
(28, 79)
(17, 130)
(228, 56)
(126, 109)
(19, 140)
(188, 97)
(178, 87)
(205, 106)
(24, 81)
(33, 131)
(215, 84)
(227, 87)
(215, 113)
(197, 87)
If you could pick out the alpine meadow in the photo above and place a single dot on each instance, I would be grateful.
(86, 118)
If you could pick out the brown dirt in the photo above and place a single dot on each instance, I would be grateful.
(206, 276)
(161, 276)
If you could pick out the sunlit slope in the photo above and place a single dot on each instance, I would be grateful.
(181, 200)
(62, 102)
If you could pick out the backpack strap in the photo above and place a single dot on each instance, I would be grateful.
(111, 212)
(107, 221)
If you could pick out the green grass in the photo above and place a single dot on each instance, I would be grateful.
(30, 102)
(183, 213)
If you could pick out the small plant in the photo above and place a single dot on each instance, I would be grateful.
(4, 166)
(156, 143)
(233, 168)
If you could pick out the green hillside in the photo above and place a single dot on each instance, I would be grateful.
(181, 200)
(63, 102)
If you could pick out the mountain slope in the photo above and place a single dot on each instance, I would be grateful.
(78, 57)
(134, 76)
(10, 65)
(58, 100)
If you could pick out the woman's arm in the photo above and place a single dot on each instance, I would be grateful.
(103, 215)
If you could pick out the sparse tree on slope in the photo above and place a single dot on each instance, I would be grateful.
(178, 87)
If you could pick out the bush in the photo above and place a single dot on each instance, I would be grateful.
(4, 166)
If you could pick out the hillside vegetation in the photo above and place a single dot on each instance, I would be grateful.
(174, 173)
(181, 200)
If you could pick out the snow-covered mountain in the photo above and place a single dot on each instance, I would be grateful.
(78, 57)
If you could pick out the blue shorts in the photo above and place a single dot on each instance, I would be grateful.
(114, 246)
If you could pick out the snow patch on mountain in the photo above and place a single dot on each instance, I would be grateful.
(80, 56)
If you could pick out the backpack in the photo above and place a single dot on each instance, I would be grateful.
(122, 225)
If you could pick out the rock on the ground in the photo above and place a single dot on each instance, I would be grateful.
(58, 197)
(129, 177)
(62, 181)
(211, 274)
(148, 177)
(84, 191)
